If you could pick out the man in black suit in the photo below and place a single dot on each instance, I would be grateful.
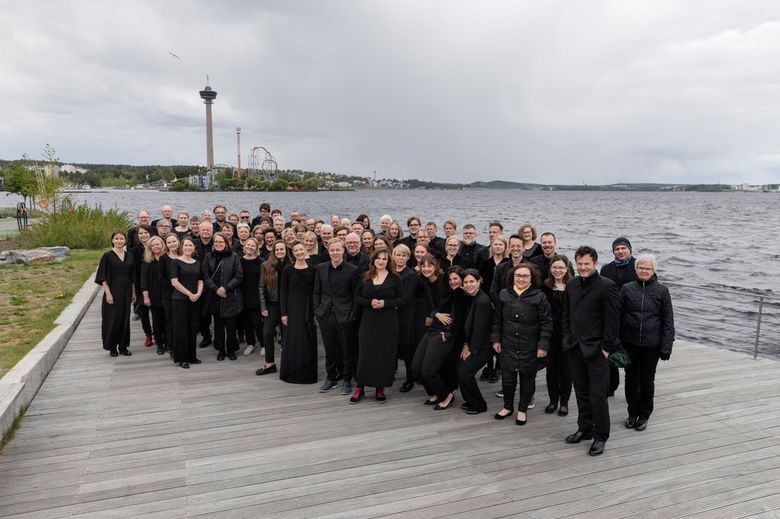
(591, 320)
(621, 271)
(335, 284)
(354, 255)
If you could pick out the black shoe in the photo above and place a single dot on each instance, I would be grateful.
(221, 355)
(499, 416)
(518, 421)
(563, 410)
(113, 353)
(204, 342)
(550, 409)
(494, 377)
(184, 365)
(596, 448)
(232, 356)
(578, 437)
(196, 361)
(265, 370)
(126, 353)
(630, 422)
(471, 410)
(641, 424)
(406, 386)
(439, 407)
(431, 402)
(486, 374)
(160, 350)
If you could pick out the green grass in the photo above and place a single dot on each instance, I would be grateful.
(79, 227)
(34, 296)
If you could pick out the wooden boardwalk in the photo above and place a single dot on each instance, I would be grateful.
(138, 437)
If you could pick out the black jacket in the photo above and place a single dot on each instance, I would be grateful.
(334, 291)
(591, 314)
(647, 318)
(500, 279)
(152, 282)
(222, 272)
(479, 323)
(522, 324)
(470, 254)
(360, 260)
(620, 275)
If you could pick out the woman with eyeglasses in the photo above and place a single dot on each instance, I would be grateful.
(522, 327)
(558, 376)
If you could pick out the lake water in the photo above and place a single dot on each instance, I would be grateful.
(709, 241)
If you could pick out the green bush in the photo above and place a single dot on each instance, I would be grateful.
(77, 227)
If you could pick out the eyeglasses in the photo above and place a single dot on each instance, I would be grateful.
(523, 276)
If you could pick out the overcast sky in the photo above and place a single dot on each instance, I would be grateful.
(553, 92)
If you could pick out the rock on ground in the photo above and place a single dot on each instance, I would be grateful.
(33, 256)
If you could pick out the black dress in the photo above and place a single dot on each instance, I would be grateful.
(185, 313)
(119, 275)
(406, 321)
(378, 334)
(250, 291)
(299, 352)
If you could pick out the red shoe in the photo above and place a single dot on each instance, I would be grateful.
(380, 395)
(149, 341)
(357, 395)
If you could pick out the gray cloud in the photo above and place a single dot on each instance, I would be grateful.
(548, 92)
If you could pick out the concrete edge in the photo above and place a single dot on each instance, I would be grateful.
(20, 385)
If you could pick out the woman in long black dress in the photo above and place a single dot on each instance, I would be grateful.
(406, 343)
(499, 253)
(222, 277)
(152, 287)
(299, 353)
(144, 232)
(378, 296)
(558, 376)
(173, 247)
(250, 317)
(116, 275)
(270, 278)
(187, 281)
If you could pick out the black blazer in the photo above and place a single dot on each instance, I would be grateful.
(334, 291)
(479, 323)
(591, 314)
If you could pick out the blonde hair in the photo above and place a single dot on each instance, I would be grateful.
(148, 254)
(503, 240)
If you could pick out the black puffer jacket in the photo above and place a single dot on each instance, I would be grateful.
(222, 270)
(647, 317)
(522, 324)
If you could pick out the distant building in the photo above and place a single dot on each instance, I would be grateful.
(70, 168)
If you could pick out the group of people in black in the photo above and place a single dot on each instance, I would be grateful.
(447, 307)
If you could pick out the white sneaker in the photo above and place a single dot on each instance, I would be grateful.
(262, 350)
(532, 403)
(249, 349)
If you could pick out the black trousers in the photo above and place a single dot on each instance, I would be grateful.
(270, 324)
(558, 376)
(590, 377)
(146, 323)
(204, 326)
(640, 380)
(467, 378)
(168, 313)
(509, 381)
(186, 316)
(614, 378)
(225, 339)
(335, 339)
(252, 326)
(432, 353)
(158, 325)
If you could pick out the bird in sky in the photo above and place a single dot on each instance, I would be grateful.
(174, 55)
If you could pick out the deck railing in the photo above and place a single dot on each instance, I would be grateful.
(740, 320)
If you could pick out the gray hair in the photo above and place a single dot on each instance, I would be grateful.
(241, 225)
(386, 217)
(646, 258)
